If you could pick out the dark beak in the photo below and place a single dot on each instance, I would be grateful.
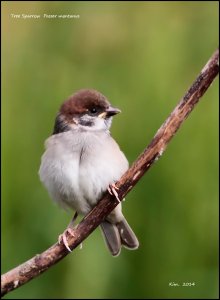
(111, 111)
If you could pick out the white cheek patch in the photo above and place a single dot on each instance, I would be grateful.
(91, 123)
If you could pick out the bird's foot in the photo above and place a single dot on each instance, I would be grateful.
(112, 191)
(63, 238)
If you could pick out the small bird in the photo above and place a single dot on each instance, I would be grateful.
(82, 161)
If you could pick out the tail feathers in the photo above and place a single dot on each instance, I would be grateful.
(128, 237)
(112, 237)
(117, 235)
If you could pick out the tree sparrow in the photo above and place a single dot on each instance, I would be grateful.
(82, 161)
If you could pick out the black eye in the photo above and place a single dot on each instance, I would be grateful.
(93, 110)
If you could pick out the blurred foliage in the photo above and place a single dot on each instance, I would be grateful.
(143, 56)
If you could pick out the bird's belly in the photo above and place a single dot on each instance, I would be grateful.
(77, 176)
(61, 178)
(80, 186)
(96, 175)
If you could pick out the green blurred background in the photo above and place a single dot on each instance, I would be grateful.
(143, 56)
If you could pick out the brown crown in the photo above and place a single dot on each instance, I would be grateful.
(82, 101)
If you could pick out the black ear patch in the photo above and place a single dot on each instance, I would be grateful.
(60, 125)
(83, 122)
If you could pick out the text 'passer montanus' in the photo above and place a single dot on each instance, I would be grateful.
(82, 161)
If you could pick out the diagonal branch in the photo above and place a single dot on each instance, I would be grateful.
(41, 262)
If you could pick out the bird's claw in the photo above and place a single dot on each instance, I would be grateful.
(62, 238)
(112, 191)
